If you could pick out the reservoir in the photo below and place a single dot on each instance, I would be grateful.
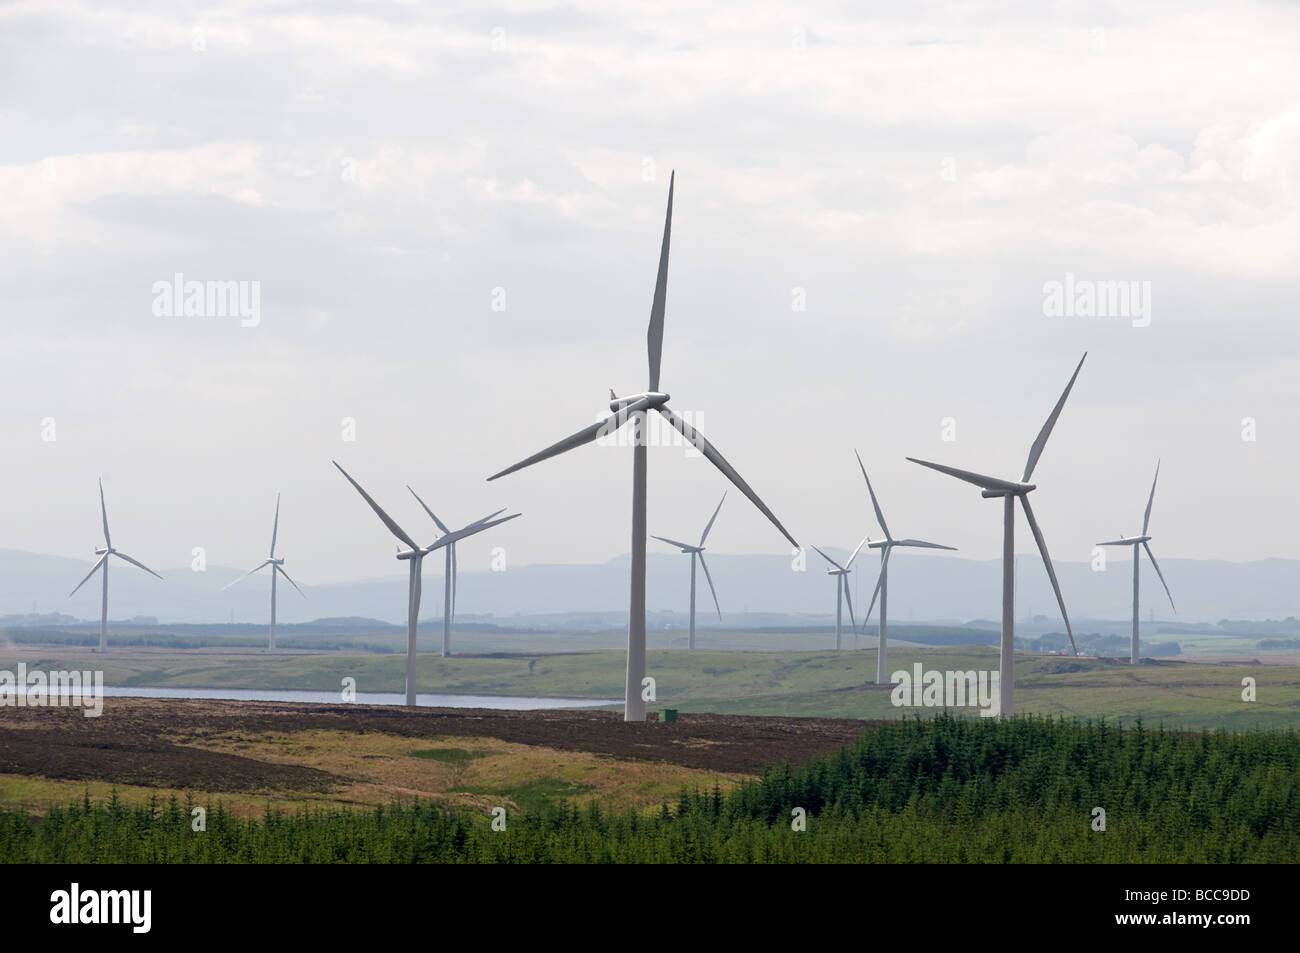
(502, 702)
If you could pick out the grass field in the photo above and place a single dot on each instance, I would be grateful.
(823, 684)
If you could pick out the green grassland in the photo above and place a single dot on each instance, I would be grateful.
(821, 683)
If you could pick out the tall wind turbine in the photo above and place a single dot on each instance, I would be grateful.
(1009, 491)
(886, 546)
(1145, 542)
(698, 551)
(103, 555)
(277, 567)
(842, 590)
(636, 407)
(449, 576)
(416, 555)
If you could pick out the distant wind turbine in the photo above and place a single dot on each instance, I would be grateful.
(636, 407)
(277, 567)
(1009, 491)
(449, 576)
(103, 555)
(1145, 542)
(416, 555)
(842, 590)
(886, 546)
(698, 551)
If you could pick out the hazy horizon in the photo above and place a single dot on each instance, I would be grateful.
(453, 221)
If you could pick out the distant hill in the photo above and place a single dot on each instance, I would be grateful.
(757, 591)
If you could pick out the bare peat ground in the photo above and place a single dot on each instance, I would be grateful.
(161, 742)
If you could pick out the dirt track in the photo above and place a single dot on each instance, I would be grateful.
(158, 742)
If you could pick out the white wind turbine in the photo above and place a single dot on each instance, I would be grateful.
(636, 407)
(886, 546)
(1009, 491)
(103, 555)
(698, 551)
(277, 567)
(416, 556)
(449, 575)
(1145, 542)
(842, 590)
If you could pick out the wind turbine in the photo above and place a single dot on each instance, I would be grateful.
(449, 576)
(842, 590)
(103, 555)
(636, 407)
(698, 551)
(886, 546)
(1145, 542)
(277, 567)
(1009, 491)
(416, 555)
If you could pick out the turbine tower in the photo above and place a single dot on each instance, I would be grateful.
(636, 407)
(842, 590)
(277, 567)
(1009, 491)
(449, 575)
(886, 546)
(103, 555)
(416, 555)
(1145, 542)
(698, 551)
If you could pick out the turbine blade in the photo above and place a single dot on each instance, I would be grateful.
(655, 333)
(123, 555)
(1051, 573)
(379, 511)
(856, 551)
(1117, 542)
(849, 600)
(103, 509)
(1036, 450)
(1151, 556)
(472, 529)
(244, 576)
(921, 544)
(673, 542)
(280, 570)
(979, 479)
(1146, 519)
(587, 434)
(711, 452)
(705, 534)
(442, 527)
(488, 517)
(880, 517)
(879, 579)
(829, 560)
(454, 573)
(275, 527)
(711, 589)
(93, 570)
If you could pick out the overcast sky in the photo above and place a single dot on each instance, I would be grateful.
(454, 219)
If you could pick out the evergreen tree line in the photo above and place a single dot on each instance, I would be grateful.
(946, 789)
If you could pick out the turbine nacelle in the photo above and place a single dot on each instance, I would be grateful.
(654, 399)
(1020, 490)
